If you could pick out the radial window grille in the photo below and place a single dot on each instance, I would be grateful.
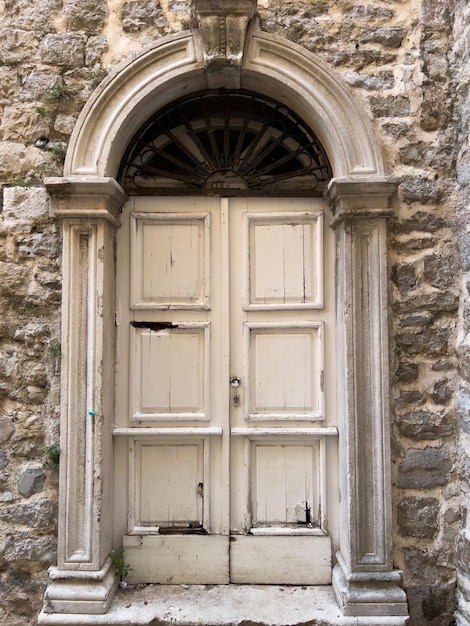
(230, 142)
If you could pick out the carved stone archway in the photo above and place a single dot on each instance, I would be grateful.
(227, 50)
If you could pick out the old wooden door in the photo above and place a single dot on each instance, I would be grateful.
(225, 390)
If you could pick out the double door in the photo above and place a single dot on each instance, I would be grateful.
(225, 418)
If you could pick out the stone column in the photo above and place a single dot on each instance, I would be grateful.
(363, 579)
(83, 581)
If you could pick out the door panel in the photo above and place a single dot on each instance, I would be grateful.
(225, 390)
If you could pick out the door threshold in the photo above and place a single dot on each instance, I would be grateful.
(221, 605)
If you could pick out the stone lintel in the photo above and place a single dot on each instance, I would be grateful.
(360, 197)
(223, 25)
(80, 592)
(86, 197)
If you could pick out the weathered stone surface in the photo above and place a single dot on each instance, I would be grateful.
(420, 221)
(430, 341)
(442, 393)
(138, 15)
(418, 517)
(38, 514)
(390, 106)
(20, 546)
(95, 47)
(424, 425)
(6, 429)
(89, 16)
(432, 604)
(422, 190)
(32, 481)
(407, 372)
(17, 46)
(3, 458)
(424, 468)
(438, 272)
(32, 16)
(387, 36)
(365, 81)
(63, 49)
(404, 276)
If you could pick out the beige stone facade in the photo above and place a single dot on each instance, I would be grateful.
(400, 70)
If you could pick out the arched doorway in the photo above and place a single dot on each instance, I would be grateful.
(226, 343)
(89, 200)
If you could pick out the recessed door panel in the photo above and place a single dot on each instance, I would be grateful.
(284, 370)
(170, 372)
(284, 260)
(170, 260)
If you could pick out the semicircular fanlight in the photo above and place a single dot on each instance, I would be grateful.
(230, 143)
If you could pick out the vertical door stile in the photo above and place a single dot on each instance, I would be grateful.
(225, 359)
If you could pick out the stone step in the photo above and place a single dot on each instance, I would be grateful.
(221, 605)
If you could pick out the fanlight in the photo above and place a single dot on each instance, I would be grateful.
(229, 142)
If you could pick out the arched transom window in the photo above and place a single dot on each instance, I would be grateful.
(230, 141)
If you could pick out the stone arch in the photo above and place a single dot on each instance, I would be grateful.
(271, 66)
(89, 200)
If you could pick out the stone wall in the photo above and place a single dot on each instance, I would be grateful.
(462, 62)
(406, 64)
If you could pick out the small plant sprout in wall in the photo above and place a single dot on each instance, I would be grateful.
(52, 455)
(56, 352)
(121, 568)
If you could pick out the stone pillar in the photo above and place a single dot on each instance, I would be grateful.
(363, 579)
(83, 581)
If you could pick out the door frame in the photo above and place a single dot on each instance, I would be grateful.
(88, 200)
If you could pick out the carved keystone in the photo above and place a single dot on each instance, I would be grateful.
(223, 25)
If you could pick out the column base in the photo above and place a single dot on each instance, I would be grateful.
(369, 593)
(74, 591)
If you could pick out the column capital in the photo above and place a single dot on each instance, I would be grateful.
(360, 197)
(86, 197)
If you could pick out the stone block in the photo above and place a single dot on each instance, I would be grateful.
(372, 83)
(17, 46)
(89, 16)
(407, 372)
(8, 83)
(40, 514)
(404, 276)
(418, 517)
(428, 341)
(438, 271)
(424, 425)
(6, 429)
(387, 36)
(424, 468)
(390, 106)
(416, 189)
(95, 47)
(21, 546)
(63, 49)
(31, 482)
(38, 245)
(139, 15)
(431, 604)
(3, 458)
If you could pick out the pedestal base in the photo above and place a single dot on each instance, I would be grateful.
(369, 594)
(84, 592)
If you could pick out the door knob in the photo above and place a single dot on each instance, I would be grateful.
(235, 381)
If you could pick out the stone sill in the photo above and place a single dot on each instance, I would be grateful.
(221, 605)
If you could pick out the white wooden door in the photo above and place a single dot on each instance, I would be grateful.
(225, 388)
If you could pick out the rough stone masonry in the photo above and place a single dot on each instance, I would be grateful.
(408, 62)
